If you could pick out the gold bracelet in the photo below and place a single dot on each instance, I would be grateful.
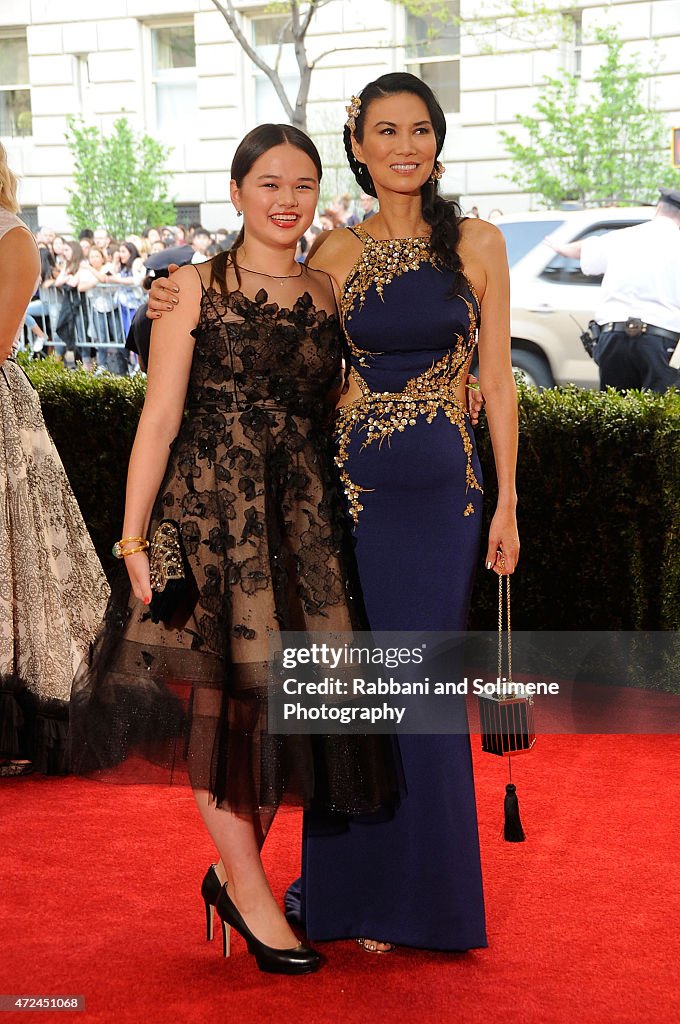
(117, 549)
(133, 551)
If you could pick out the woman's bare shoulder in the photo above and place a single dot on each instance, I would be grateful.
(19, 258)
(481, 233)
(19, 240)
(334, 248)
(190, 276)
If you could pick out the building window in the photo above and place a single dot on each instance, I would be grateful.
(573, 35)
(83, 84)
(173, 73)
(15, 92)
(433, 52)
(29, 215)
(187, 213)
(272, 38)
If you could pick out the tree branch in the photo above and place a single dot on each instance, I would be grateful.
(229, 15)
(305, 69)
(314, 6)
(344, 49)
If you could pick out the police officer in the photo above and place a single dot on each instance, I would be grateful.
(639, 310)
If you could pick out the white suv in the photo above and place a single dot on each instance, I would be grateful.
(551, 300)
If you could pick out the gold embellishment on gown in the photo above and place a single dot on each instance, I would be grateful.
(379, 414)
(381, 260)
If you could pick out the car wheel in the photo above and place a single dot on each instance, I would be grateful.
(531, 368)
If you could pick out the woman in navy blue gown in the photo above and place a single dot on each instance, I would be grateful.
(419, 287)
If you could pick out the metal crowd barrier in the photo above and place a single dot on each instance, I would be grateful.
(98, 319)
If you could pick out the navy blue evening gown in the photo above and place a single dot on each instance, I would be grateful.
(409, 467)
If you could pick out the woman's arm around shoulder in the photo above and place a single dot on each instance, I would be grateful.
(20, 262)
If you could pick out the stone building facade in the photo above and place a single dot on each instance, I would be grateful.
(174, 69)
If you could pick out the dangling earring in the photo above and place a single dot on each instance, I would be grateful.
(437, 172)
(239, 213)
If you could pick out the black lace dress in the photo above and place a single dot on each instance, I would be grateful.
(250, 483)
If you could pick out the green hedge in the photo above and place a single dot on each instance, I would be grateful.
(599, 512)
(92, 421)
(598, 483)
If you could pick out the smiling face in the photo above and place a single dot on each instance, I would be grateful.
(278, 195)
(96, 258)
(398, 143)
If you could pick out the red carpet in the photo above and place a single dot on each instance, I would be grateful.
(100, 897)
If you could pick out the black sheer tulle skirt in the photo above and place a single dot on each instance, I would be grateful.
(262, 526)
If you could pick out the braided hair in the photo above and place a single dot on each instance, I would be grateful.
(443, 215)
(252, 146)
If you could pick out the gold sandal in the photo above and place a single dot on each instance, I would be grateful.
(371, 945)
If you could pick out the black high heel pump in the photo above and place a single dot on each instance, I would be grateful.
(210, 890)
(299, 959)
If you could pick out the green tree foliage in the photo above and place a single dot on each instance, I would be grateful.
(120, 180)
(609, 150)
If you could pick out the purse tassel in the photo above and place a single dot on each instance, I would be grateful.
(512, 828)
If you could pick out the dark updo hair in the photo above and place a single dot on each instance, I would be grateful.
(442, 214)
(252, 146)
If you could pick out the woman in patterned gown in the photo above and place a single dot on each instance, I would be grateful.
(233, 447)
(53, 591)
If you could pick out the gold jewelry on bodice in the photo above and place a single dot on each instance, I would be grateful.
(378, 415)
(381, 260)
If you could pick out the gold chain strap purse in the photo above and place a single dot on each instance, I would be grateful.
(507, 718)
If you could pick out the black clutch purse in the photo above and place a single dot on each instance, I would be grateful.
(173, 587)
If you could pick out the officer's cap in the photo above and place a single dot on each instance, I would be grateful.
(670, 195)
(157, 263)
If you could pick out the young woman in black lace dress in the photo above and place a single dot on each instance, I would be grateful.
(233, 446)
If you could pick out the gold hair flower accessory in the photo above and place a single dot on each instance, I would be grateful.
(437, 171)
(353, 111)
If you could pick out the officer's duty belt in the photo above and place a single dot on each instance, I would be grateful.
(660, 332)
